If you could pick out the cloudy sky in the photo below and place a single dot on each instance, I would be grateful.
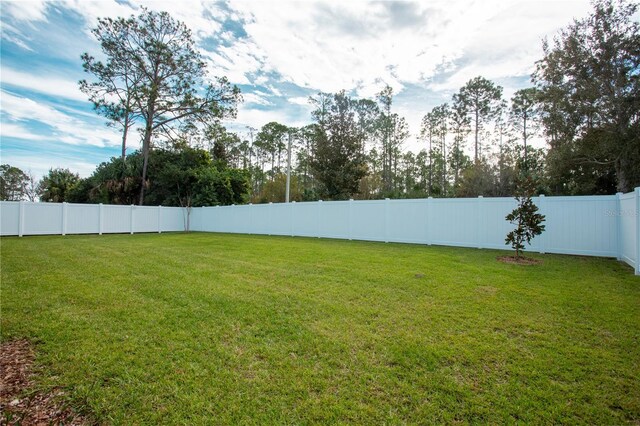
(278, 53)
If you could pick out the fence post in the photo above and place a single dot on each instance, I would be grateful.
(159, 219)
(132, 219)
(386, 220)
(319, 216)
(479, 223)
(637, 192)
(21, 219)
(64, 218)
(429, 214)
(100, 218)
(250, 219)
(541, 246)
(618, 217)
(292, 204)
(350, 220)
(270, 216)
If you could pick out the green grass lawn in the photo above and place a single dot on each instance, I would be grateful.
(237, 329)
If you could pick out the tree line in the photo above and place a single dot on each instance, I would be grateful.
(584, 101)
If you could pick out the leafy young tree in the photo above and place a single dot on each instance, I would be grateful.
(479, 97)
(271, 140)
(525, 114)
(169, 88)
(428, 133)
(337, 160)
(56, 185)
(399, 134)
(459, 124)
(116, 78)
(385, 130)
(441, 117)
(478, 179)
(525, 216)
(13, 183)
(31, 192)
(590, 94)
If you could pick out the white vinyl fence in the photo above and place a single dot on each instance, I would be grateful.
(605, 225)
(26, 218)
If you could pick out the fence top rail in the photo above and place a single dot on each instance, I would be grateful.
(628, 196)
(551, 198)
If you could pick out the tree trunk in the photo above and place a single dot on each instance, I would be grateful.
(444, 165)
(477, 130)
(621, 179)
(125, 130)
(145, 154)
(524, 127)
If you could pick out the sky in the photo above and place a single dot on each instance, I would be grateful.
(278, 53)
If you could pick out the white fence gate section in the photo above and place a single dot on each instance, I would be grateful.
(603, 225)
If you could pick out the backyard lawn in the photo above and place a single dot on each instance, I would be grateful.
(237, 329)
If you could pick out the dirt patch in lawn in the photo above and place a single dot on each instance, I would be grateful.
(20, 404)
(518, 260)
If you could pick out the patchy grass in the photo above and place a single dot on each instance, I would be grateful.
(227, 329)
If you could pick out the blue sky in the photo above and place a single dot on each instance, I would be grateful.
(278, 53)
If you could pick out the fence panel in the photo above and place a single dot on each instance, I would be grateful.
(83, 219)
(629, 228)
(145, 219)
(279, 219)
(117, 219)
(10, 218)
(42, 218)
(369, 220)
(579, 225)
(406, 221)
(334, 219)
(493, 225)
(455, 222)
(305, 219)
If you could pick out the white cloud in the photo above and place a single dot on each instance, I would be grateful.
(254, 98)
(28, 11)
(331, 46)
(18, 131)
(195, 14)
(257, 118)
(299, 100)
(44, 83)
(235, 63)
(509, 43)
(64, 127)
(39, 165)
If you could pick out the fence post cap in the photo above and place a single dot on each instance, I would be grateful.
(270, 202)
(319, 201)
(430, 198)
(387, 199)
(293, 202)
(480, 196)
